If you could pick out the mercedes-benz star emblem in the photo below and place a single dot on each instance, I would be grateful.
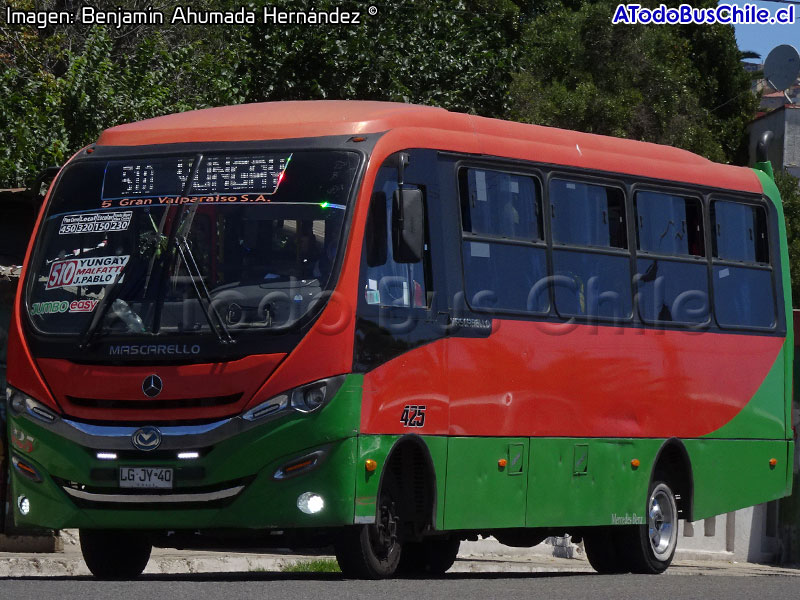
(146, 439)
(152, 386)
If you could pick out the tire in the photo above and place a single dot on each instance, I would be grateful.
(428, 557)
(373, 551)
(649, 548)
(115, 554)
(603, 550)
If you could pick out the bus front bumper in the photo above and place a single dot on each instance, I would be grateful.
(66, 477)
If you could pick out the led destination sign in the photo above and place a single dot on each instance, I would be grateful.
(258, 174)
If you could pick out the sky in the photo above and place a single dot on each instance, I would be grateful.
(763, 38)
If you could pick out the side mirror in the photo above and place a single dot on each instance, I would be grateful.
(408, 225)
(45, 177)
(375, 235)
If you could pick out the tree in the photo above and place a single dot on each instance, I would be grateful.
(681, 86)
(438, 52)
(790, 194)
(61, 86)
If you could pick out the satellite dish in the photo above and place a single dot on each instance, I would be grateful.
(782, 67)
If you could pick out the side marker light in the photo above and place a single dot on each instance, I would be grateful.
(773, 462)
(370, 465)
(635, 463)
(502, 463)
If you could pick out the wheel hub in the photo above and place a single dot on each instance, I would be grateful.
(661, 522)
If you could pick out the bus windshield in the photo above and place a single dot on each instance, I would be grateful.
(129, 247)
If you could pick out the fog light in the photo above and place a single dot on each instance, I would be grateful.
(24, 505)
(310, 503)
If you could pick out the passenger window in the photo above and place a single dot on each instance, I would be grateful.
(744, 294)
(585, 214)
(505, 258)
(672, 291)
(501, 204)
(592, 284)
(668, 224)
(390, 283)
(743, 297)
(740, 232)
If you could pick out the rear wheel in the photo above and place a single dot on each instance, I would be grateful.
(603, 551)
(429, 557)
(115, 554)
(373, 551)
(649, 548)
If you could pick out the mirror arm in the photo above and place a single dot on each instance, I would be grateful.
(402, 163)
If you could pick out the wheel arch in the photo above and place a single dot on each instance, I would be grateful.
(408, 455)
(673, 465)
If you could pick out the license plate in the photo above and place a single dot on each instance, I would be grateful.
(145, 477)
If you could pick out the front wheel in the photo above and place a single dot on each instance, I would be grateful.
(373, 551)
(429, 557)
(115, 554)
(650, 547)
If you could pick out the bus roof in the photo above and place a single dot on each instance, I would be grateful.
(298, 119)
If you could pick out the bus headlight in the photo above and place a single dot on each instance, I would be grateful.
(22, 403)
(310, 397)
(305, 399)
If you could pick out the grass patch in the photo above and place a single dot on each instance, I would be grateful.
(317, 565)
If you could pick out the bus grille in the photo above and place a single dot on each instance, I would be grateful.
(155, 404)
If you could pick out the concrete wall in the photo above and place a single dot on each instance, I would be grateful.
(747, 535)
(774, 122)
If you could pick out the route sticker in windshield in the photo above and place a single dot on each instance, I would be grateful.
(95, 223)
(61, 306)
(85, 271)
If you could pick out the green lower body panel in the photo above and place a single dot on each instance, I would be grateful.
(487, 481)
(733, 474)
(481, 483)
(576, 482)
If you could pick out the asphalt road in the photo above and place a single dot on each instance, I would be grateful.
(463, 586)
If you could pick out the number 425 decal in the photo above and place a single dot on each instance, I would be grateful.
(413, 415)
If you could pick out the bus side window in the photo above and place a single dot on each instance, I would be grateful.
(389, 283)
(591, 265)
(743, 288)
(672, 273)
(503, 248)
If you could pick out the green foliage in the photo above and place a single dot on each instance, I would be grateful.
(434, 52)
(681, 86)
(59, 88)
(790, 194)
(554, 62)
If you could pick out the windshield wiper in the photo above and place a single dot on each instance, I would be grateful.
(110, 293)
(179, 236)
(203, 295)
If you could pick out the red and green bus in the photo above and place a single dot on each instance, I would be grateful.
(389, 328)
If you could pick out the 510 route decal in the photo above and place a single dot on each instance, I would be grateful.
(85, 271)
